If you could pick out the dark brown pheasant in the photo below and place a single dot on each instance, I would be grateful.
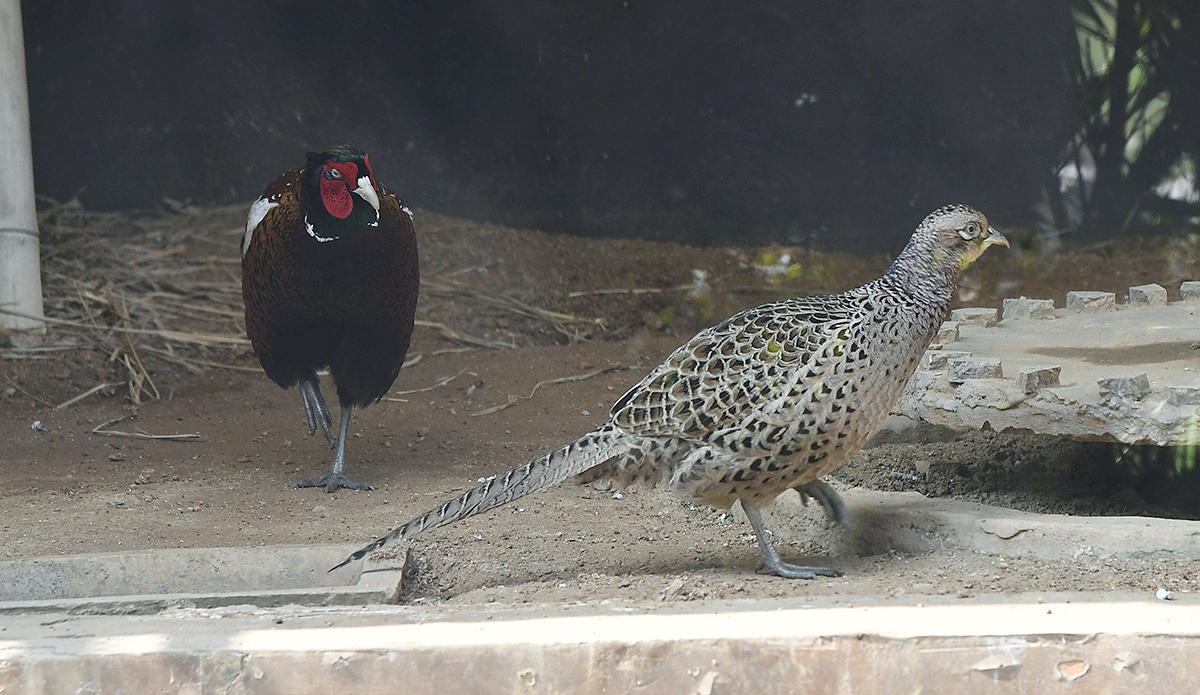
(330, 277)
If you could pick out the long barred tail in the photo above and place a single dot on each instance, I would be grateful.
(588, 451)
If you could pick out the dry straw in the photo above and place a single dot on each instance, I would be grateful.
(135, 293)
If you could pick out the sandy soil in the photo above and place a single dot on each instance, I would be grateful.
(66, 489)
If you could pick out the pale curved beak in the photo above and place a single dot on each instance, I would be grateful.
(995, 238)
(366, 191)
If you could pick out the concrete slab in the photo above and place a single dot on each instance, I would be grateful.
(1122, 644)
(197, 643)
(151, 581)
(1097, 354)
(912, 523)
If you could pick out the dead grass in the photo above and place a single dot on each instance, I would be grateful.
(126, 291)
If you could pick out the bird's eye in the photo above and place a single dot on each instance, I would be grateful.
(332, 173)
(969, 232)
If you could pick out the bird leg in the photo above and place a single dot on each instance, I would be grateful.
(768, 558)
(315, 409)
(336, 476)
(830, 500)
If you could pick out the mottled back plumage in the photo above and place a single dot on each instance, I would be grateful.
(772, 398)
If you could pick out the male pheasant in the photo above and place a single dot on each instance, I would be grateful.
(330, 279)
(769, 399)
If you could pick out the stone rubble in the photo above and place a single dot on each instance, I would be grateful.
(1091, 302)
(1098, 371)
(1148, 295)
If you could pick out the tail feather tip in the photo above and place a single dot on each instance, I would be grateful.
(356, 555)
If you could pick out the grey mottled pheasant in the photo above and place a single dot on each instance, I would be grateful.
(772, 398)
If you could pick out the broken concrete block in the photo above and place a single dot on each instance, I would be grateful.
(937, 359)
(1147, 295)
(1030, 379)
(1132, 388)
(976, 316)
(948, 333)
(1091, 302)
(978, 368)
(1190, 290)
(1025, 308)
(1154, 353)
(986, 394)
(1183, 396)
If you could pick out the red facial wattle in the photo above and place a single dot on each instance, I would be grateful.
(337, 180)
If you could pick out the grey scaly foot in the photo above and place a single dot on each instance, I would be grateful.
(768, 558)
(830, 500)
(315, 409)
(332, 481)
(336, 477)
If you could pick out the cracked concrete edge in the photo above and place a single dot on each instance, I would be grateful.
(377, 587)
(1117, 646)
(1060, 411)
(1152, 396)
(910, 522)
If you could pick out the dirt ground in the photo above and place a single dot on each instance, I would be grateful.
(497, 318)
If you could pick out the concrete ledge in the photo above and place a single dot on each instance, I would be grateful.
(148, 604)
(146, 582)
(1115, 646)
(934, 644)
(910, 522)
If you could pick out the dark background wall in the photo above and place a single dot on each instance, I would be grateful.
(704, 121)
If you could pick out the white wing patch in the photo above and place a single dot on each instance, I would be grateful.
(258, 211)
(406, 211)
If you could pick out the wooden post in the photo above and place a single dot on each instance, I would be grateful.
(20, 266)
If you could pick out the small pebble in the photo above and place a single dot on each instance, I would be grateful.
(37, 426)
(1164, 595)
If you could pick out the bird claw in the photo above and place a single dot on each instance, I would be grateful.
(315, 409)
(332, 481)
(790, 571)
(768, 557)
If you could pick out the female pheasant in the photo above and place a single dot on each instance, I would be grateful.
(769, 399)
(330, 279)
